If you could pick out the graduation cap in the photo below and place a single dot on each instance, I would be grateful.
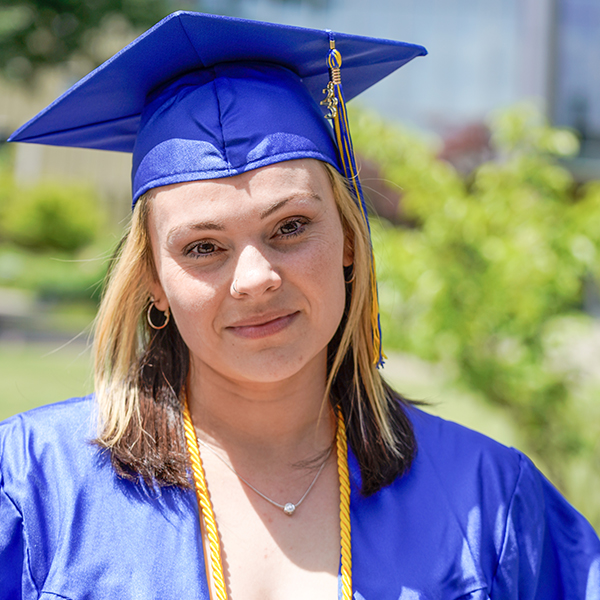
(205, 96)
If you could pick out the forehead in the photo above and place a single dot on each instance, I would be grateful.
(294, 182)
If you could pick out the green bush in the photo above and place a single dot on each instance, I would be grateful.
(54, 277)
(492, 268)
(47, 235)
(7, 195)
(49, 216)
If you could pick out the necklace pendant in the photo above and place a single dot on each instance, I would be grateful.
(289, 509)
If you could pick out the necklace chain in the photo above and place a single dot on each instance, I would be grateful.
(289, 508)
(210, 524)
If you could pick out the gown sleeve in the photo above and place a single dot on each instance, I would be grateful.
(12, 549)
(549, 552)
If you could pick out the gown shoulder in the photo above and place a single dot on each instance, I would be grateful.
(474, 519)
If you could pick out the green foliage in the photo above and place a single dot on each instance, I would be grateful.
(47, 232)
(34, 34)
(54, 277)
(490, 270)
(39, 33)
(7, 193)
(49, 216)
(523, 129)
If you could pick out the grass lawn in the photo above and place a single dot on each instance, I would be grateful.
(32, 374)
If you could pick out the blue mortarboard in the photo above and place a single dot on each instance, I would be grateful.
(205, 96)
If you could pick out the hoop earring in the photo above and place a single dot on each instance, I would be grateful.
(166, 314)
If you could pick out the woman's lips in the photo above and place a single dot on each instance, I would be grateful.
(265, 328)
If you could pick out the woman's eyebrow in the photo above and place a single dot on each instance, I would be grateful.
(280, 203)
(197, 226)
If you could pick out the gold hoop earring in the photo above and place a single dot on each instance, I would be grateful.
(166, 314)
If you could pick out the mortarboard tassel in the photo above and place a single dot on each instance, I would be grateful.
(337, 112)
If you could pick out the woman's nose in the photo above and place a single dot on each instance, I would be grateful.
(254, 274)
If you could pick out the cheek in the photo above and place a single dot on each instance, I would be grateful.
(192, 300)
(324, 273)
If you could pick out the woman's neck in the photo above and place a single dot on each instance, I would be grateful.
(286, 419)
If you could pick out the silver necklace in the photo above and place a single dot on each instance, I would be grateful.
(289, 508)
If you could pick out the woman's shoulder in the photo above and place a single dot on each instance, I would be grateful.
(481, 515)
(70, 525)
(471, 470)
(457, 453)
(52, 420)
(51, 414)
(430, 428)
(496, 493)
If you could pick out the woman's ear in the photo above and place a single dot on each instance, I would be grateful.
(158, 295)
(348, 249)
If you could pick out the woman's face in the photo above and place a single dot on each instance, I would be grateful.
(276, 233)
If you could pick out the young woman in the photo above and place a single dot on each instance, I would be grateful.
(241, 442)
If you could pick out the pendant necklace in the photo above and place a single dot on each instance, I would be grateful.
(289, 508)
(208, 516)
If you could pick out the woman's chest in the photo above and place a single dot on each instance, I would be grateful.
(268, 555)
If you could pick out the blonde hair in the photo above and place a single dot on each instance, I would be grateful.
(119, 337)
(357, 336)
(140, 373)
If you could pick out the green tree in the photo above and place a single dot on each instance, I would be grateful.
(36, 34)
(491, 271)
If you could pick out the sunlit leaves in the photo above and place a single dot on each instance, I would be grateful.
(490, 266)
(38, 34)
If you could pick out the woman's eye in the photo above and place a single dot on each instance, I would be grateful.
(202, 248)
(292, 227)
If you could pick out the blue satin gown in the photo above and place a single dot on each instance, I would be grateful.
(472, 520)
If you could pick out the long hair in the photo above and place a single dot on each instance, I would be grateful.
(379, 431)
(140, 373)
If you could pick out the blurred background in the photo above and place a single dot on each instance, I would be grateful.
(481, 162)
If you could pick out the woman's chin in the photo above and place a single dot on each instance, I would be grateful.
(267, 368)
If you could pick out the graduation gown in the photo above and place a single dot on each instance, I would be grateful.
(471, 520)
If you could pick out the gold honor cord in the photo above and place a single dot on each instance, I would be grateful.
(210, 523)
(345, 529)
(206, 509)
